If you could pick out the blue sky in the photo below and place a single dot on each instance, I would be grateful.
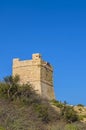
(54, 28)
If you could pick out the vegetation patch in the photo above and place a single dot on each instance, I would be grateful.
(21, 108)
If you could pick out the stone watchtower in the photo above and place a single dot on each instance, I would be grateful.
(38, 73)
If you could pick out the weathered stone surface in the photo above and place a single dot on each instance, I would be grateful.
(38, 72)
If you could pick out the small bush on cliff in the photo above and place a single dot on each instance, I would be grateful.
(69, 114)
(12, 90)
(71, 127)
(57, 103)
(9, 87)
(42, 111)
(80, 105)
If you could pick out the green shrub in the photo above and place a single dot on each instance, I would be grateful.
(69, 114)
(12, 90)
(9, 87)
(1, 128)
(71, 127)
(81, 117)
(57, 103)
(80, 105)
(42, 111)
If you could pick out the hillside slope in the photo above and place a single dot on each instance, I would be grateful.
(22, 109)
